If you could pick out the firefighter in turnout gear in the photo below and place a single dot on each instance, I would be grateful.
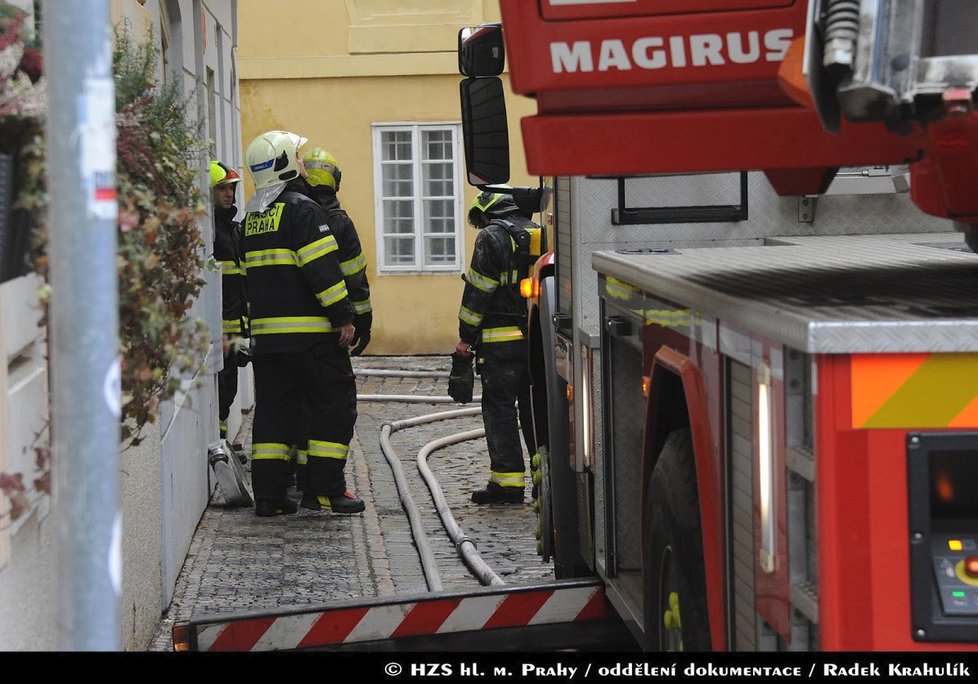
(301, 326)
(227, 253)
(492, 319)
(323, 176)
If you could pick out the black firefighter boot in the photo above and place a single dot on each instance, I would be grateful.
(494, 493)
(347, 502)
(267, 508)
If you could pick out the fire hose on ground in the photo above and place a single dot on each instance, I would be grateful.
(465, 547)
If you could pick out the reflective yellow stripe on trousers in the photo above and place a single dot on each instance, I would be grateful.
(270, 451)
(318, 449)
(509, 333)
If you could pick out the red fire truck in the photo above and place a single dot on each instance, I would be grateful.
(771, 445)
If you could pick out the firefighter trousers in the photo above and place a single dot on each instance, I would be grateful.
(307, 397)
(227, 388)
(505, 411)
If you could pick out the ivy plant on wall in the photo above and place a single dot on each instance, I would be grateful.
(160, 243)
(160, 246)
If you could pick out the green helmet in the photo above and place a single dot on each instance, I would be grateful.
(323, 169)
(491, 204)
(222, 174)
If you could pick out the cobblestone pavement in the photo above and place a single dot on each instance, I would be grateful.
(238, 562)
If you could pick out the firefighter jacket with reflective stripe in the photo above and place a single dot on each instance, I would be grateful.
(493, 314)
(227, 253)
(352, 261)
(296, 288)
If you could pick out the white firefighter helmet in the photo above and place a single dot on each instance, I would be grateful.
(272, 159)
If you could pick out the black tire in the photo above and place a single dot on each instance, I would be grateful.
(674, 552)
(559, 515)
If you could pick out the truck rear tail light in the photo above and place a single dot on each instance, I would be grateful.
(530, 288)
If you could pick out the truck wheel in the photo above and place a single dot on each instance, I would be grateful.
(676, 617)
(543, 505)
(556, 532)
(556, 501)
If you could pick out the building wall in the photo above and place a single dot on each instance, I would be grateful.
(27, 545)
(329, 70)
(164, 482)
(202, 38)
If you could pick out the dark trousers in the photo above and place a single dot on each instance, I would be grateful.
(506, 395)
(227, 388)
(302, 397)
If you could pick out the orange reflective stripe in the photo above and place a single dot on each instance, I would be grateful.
(914, 390)
(875, 377)
(967, 418)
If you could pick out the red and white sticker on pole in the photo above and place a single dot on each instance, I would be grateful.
(96, 108)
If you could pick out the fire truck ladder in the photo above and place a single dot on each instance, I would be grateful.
(565, 614)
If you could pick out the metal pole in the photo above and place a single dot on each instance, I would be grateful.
(202, 132)
(84, 343)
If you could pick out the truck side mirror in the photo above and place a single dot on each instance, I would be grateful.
(481, 51)
(485, 131)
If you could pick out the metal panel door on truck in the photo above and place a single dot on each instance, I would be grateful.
(625, 413)
(740, 512)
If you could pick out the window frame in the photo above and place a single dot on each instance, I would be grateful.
(416, 128)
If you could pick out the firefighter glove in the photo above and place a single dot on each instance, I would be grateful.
(461, 379)
(243, 353)
(361, 337)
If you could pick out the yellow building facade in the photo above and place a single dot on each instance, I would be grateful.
(376, 83)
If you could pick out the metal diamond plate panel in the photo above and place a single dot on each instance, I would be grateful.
(588, 204)
(828, 294)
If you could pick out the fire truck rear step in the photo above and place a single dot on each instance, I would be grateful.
(560, 615)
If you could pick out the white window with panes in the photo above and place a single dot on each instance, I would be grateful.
(418, 195)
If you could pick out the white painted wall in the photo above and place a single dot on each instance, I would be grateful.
(27, 551)
(28, 586)
(140, 481)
